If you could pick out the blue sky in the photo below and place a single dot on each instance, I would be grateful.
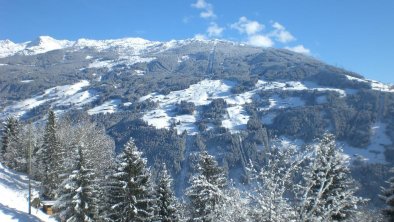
(352, 34)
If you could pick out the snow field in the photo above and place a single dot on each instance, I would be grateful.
(123, 60)
(59, 96)
(107, 107)
(375, 85)
(14, 198)
(203, 92)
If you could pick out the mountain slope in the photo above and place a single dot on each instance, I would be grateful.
(178, 97)
(200, 87)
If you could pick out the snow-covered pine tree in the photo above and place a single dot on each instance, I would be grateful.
(130, 188)
(10, 143)
(22, 143)
(235, 207)
(9, 129)
(99, 156)
(328, 191)
(388, 197)
(49, 157)
(167, 202)
(270, 185)
(206, 189)
(76, 200)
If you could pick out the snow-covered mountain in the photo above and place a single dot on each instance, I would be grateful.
(45, 44)
(223, 86)
(40, 45)
(8, 48)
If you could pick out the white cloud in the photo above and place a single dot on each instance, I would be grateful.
(299, 49)
(253, 31)
(200, 4)
(281, 34)
(278, 26)
(207, 9)
(207, 14)
(214, 30)
(244, 25)
(260, 41)
(200, 37)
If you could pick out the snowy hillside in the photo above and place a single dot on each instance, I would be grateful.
(67, 95)
(205, 91)
(130, 79)
(13, 198)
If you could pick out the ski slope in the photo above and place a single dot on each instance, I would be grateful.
(13, 198)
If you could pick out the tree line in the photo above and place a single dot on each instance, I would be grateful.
(75, 162)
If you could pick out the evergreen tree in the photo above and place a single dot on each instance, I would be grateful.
(130, 188)
(9, 129)
(270, 185)
(206, 190)
(76, 202)
(167, 203)
(98, 155)
(24, 140)
(388, 197)
(10, 146)
(50, 159)
(329, 191)
(236, 206)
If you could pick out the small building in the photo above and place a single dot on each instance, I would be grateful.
(47, 206)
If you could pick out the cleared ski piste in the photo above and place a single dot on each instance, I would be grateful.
(14, 198)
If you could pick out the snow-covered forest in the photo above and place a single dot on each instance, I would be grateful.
(75, 163)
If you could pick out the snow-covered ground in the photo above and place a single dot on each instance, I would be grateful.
(381, 86)
(66, 95)
(107, 107)
(183, 58)
(124, 60)
(203, 92)
(200, 94)
(13, 198)
(374, 153)
(276, 102)
(375, 85)
(139, 72)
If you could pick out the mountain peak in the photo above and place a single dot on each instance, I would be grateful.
(40, 40)
(8, 48)
(44, 44)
